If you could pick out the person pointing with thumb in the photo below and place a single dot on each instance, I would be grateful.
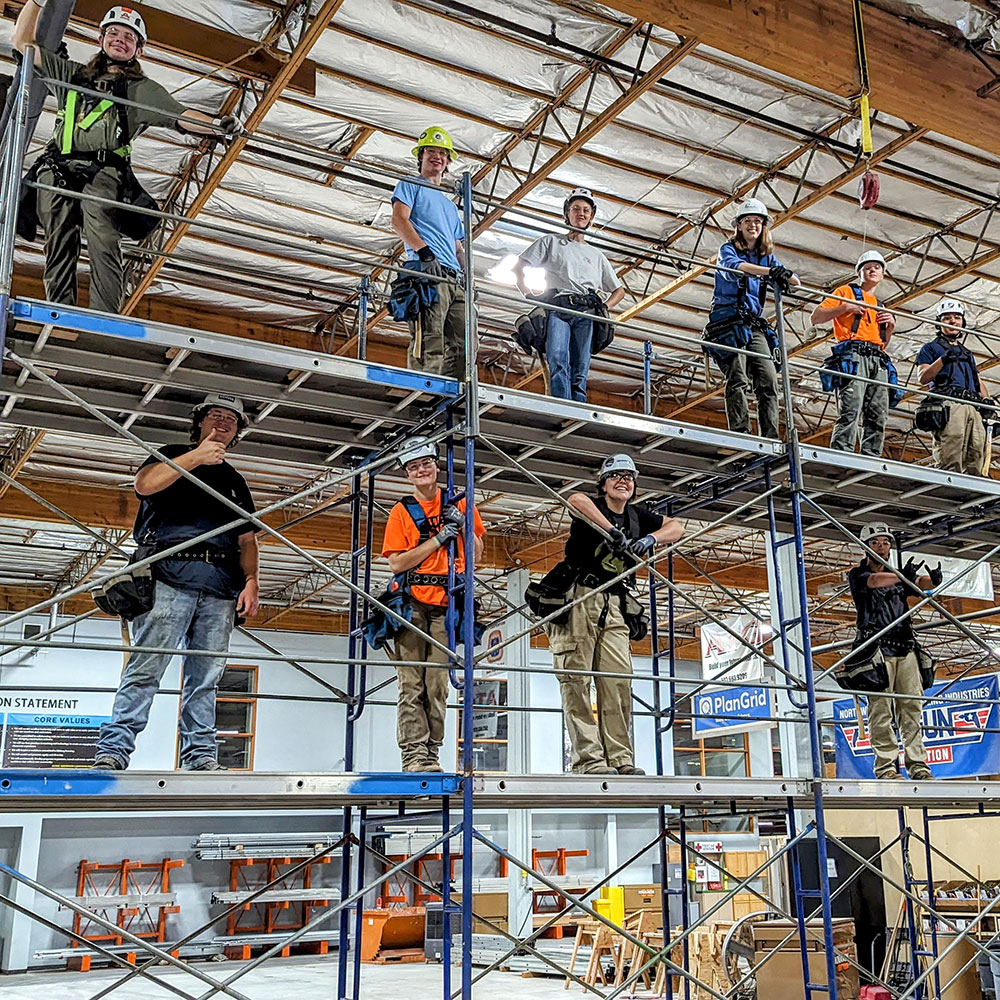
(199, 591)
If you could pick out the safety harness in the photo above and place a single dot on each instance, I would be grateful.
(380, 628)
(735, 325)
(555, 590)
(933, 413)
(844, 356)
(134, 225)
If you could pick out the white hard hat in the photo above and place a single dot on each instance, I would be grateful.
(874, 529)
(224, 401)
(579, 193)
(416, 447)
(950, 306)
(752, 206)
(128, 16)
(616, 463)
(869, 257)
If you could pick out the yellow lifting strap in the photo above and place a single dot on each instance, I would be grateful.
(70, 123)
(859, 41)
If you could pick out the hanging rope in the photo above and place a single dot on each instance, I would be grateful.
(868, 186)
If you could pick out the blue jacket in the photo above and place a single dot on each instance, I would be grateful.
(728, 286)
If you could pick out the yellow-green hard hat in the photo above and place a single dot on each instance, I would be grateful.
(437, 137)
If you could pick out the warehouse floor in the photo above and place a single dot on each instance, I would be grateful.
(277, 980)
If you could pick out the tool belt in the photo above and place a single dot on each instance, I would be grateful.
(730, 326)
(843, 361)
(410, 295)
(965, 395)
(215, 557)
(427, 579)
(133, 225)
(130, 593)
(603, 332)
(932, 415)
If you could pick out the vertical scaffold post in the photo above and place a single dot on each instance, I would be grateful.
(913, 931)
(931, 901)
(815, 743)
(10, 185)
(471, 431)
(647, 376)
(353, 629)
(364, 291)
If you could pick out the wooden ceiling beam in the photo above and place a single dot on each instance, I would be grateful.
(915, 74)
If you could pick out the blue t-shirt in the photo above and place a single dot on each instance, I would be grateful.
(183, 510)
(435, 218)
(727, 285)
(961, 374)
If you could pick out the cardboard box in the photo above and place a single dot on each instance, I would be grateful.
(481, 927)
(780, 978)
(489, 904)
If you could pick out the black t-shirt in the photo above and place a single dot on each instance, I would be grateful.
(590, 555)
(182, 511)
(878, 606)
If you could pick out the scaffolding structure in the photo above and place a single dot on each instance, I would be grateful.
(518, 442)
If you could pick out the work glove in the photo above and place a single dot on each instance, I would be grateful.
(618, 541)
(936, 575)
(429, 264)
(447, 534)
(228, 125)
(954, 352)
(452, 515)
(641, 547)
(781, 276)
(911, 569)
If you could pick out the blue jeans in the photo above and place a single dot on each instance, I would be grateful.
(178, 619)
(567, 351)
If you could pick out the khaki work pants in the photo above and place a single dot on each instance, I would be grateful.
(442, 334)
(961, 444)
(423, 690)
(63, 218)
(904, 678)
(582, 644)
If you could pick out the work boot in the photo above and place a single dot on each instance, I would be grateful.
(889, 776)
(105, 762)
(205, 764)
(629, 769)
(595, 768)
(431, 762)
(918, 773)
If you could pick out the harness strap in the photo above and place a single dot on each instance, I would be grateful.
(860, 296)
(70, 123)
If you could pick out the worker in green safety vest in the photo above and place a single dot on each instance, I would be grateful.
(89, 152)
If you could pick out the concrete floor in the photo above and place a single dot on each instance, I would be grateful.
(280, 979)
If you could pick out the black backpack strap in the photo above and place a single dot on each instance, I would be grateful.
(860, 296)
(632, 522)
(419, 518)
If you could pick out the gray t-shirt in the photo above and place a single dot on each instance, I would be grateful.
(571, 266)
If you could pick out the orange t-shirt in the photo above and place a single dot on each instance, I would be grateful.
(401, 535)
(867, 328)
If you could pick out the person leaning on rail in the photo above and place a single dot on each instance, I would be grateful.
(199, 592)
(576, 275)
(949, 368)
(863, 331)
(429, 224)
(737, 319)
(880, 599)
(419, 533)
(592, 638)
(89, 154)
